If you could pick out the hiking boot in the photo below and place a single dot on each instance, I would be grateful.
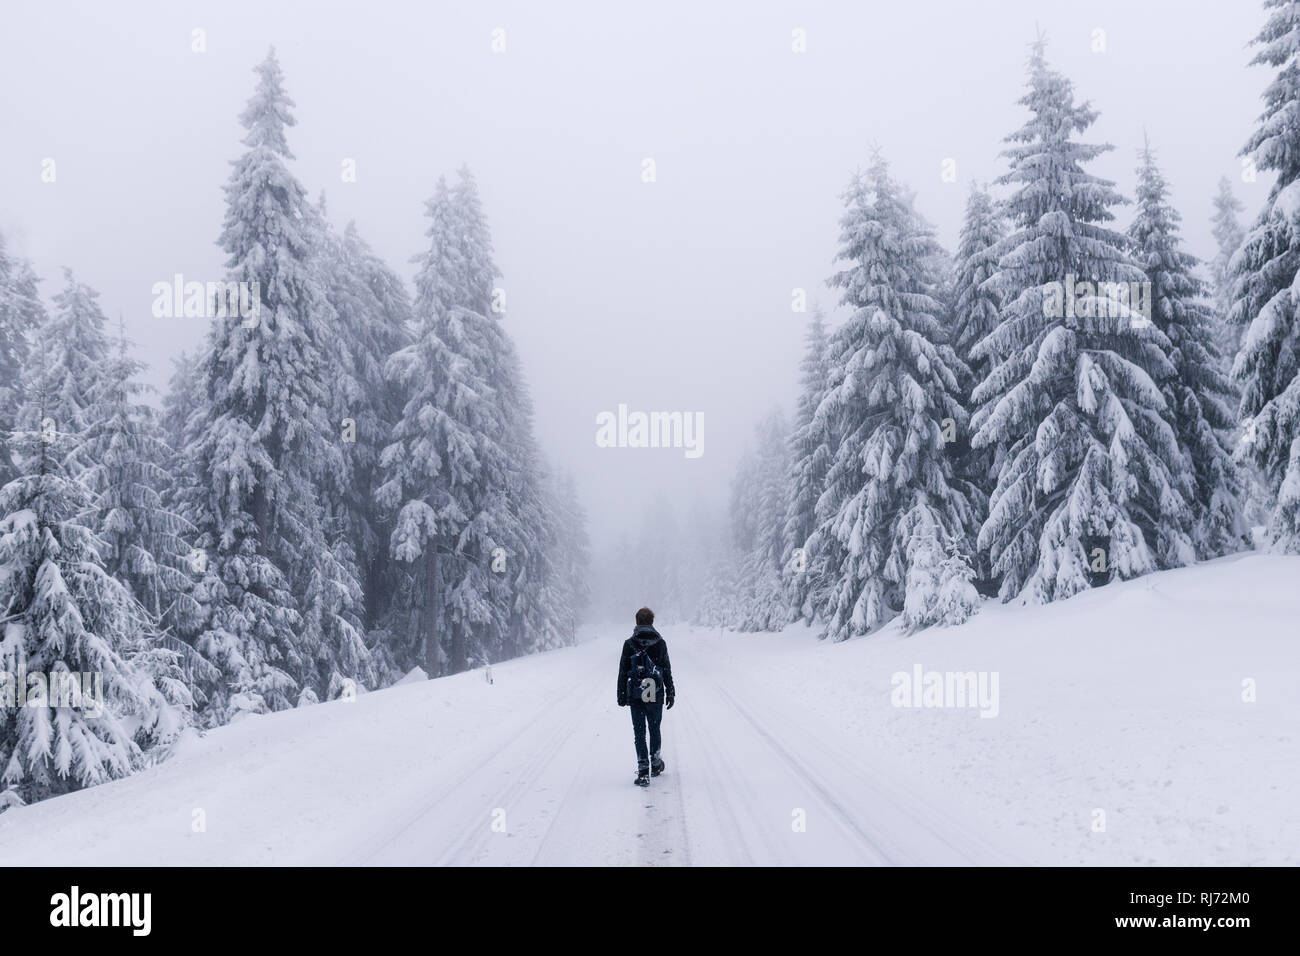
(656, 767)
(642, 779)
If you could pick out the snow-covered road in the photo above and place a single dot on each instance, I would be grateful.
(748, 782)
(1139, 724)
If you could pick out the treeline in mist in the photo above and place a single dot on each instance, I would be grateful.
(1058, 405)
(343, 485)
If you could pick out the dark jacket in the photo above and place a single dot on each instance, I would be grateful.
(645, 636)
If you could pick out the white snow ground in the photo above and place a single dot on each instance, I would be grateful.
(1127, 700)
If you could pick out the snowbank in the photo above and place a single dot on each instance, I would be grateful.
(1127, 700)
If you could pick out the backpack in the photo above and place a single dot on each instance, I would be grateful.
(644, 678)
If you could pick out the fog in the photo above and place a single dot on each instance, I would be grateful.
(671, 295)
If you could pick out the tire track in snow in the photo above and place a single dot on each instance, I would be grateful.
(368, 850)
(665, 815)
(839, 812)
(554, 820)
(796, 771)
(918, 833)
(471, 844)
(579, 785)
(736, 767)
(682, 825)
(724, 813)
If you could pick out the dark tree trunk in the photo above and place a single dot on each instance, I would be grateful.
(430, 614)
(458, 661)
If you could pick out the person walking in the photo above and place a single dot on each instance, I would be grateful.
(645, 683)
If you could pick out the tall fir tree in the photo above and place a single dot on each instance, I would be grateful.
(373, 315)
(573, 549)
(261, 448)
(330, 579)
(1088, 480)
(445, 472)
(143, 543)
(75, 349)
(977, 304)
(474, 506)
(977, 307)
(1199, 398)
(530, 583)
(528, 588)
(183, 616)
(719, 604)
(1264, 271)
(895, 388)
(178, 404)
(1228, 234)
(21, 314)
(810, 454)
(758, 511)
(70, 633)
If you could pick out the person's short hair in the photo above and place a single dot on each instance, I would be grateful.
(645, 616)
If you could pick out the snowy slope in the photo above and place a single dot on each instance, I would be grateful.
(1127, 700)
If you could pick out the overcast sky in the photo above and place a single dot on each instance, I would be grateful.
(673, 295)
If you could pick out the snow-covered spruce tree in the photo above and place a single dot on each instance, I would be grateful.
(142, 539)
(1228, 235)
(529, 586)
(21, 314)
(810, 454)
(261, 448)
(332, 598)
(183, 620)
(720, 602)
(69, 632)
(179, 402)
(977, 307)
(894, 393)
(1265, 301)
(374, 313)
(1089, 476)
(758, 509)
(573, 554)
(445, 470)
(1199, 398)
(373, 316)
(494, 555)
(938, 587)
(534, 602)
(75, 349)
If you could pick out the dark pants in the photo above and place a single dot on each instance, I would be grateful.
(644, 715)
